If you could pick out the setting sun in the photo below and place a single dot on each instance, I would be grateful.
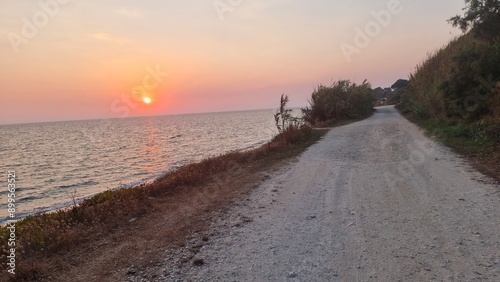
(147, 100)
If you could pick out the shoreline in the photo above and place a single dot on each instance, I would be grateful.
(211, 176)
(41, 205)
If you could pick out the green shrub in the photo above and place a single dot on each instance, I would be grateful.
(341, 100)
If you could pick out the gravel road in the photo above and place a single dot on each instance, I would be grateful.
(373, 201)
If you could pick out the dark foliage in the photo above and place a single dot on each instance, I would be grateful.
(482, 17)
(342, 100)
(458, 86)
(400, 84)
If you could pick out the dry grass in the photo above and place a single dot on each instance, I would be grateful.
(116, 229)
(483, 154)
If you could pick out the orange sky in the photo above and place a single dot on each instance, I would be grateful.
(64, 60)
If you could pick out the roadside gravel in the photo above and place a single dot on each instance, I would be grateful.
(373, 201)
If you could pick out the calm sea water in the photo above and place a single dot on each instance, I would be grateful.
(54, 162)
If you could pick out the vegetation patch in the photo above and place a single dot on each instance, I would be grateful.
(455, 92)
(342, 100)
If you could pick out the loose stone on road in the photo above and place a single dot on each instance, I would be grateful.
(373, 201)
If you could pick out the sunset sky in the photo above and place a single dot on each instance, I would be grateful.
(78, 59)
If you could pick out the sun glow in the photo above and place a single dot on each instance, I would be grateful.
(147, 100)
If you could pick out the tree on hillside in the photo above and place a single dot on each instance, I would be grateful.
(400, 84)
(481, 16)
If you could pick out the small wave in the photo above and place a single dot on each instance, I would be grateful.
(30, 198)
(140, 174)
(86, 183)
(127, 159)
(67, 186)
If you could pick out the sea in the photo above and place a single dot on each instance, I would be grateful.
(59, 163)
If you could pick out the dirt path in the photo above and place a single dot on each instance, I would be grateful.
(373, 201)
